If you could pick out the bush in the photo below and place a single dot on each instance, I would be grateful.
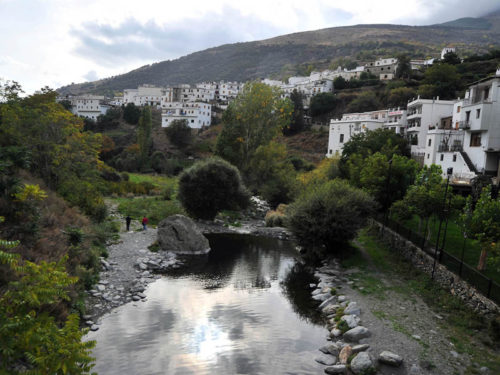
(179, 133)
(276, 218)
(329, 214)
(211, 186)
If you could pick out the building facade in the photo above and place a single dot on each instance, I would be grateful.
(196, 114)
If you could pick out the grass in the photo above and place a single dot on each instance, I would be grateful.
(454, 242)
(154, 208)
(465, 329)
(161, 182)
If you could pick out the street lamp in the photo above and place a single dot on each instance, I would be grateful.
(449, 172)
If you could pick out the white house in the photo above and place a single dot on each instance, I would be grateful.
(445, 50)
(88, 106)
(144, 95)
(197, 114)
(422, 115)
(396, 120)
(342, 130)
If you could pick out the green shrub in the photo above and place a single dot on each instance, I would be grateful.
(343, 326)
(276, 218)
(329, 214)
(211, 186)
(179, 133)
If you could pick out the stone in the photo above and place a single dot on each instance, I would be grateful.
(104, 282)
(362, 364)
(454, 354)
(322, 297)
(101, 288)
(94, 327)
(342, 298)
(86, 317)
(312, 286)
(357, 333)
(326, 360)
(416, 337)
(136, 298)
(351, 320)
(142, 267)
(352, 309)
(335, 332)
(415, 370)
(389, 358)
(345, 353)
(337, 369)
(324, 349)
(179, 234)
(316, 292)
(142, 295)
(360, 348)
(332, 349)
(89, 322)
(330, 309)
(328, 301)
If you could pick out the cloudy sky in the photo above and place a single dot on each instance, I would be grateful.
(56, 42)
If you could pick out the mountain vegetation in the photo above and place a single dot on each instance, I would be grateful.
(299, 53)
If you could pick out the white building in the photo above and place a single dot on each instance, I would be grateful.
(197, 114)
(423, 115)
(396, 120)
(88, 106)
(385, 69)
(342, 130)
(144, 95)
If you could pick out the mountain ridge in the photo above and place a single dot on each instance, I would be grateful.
(286, 55)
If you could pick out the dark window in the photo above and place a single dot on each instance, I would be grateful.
(430, 142)
(331, 151)
(478, 113)
(428, 156)
(467, 116)
(442, 157)
(454, 158)
(341, 138)
(475, 140)
(486, 93)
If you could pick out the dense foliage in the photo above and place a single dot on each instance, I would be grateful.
(179, 133)
(330, 214)
(211, 186)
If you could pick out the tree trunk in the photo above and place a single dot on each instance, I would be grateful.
(482, 260)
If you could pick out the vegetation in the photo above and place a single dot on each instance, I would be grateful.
(329, 215)
(211, 186)
(179, 133)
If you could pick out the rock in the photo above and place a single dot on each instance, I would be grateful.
(142, 267)
(330, 309)
(326, 360)
(94, 327)
(86, 317)
(342, 298)
(415, 370)
(101, 288)
(179, 234)
(352, 309)
(484, 370)
(322, 297)
(324, 349)
(454, 354)
(335, 332)
(345, 353)
(360, 348)
(328, 301)
(312, 286)
(337, 369)
(136, 298)
(416, 337)
(316, 292)
(142, 295)
(103, 282)
(89, 323)
(362, 364)
(390, 358)
(351, 320)
(356, 334)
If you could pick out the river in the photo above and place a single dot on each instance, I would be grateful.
(243, 309)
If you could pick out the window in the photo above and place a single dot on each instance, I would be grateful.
(430, 142)
(341, 138)
(454, 157)
(467, 116)
(428, 156)
(486, 93)
(458, 109)
(475, 140)
(478, 113)
(442, 157)
(331, 151)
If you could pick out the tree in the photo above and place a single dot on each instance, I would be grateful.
(272, 174)
(179, 133)
(329, 215)
(400, 96)
(339, 83)
(451, 58)
(144, 139)
(403, 70)
(211, 186)
(322, 103)
(366, 101)
(385, 181)
(256, 116)
(482, 223)
(445, 78)
(297, 123)
(131, 113)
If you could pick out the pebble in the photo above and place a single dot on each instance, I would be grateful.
(337, 369)
(94, 327)
(390, 358)
(136, 298)
(416, 337)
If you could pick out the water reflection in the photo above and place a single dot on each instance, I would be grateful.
(228, 314)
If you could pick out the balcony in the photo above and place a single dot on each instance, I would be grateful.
(464, 124)
(450, 148)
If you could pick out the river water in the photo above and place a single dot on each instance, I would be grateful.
(243, 309)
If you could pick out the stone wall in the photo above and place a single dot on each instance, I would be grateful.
(447, 279)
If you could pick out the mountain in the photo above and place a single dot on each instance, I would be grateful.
(291, 54)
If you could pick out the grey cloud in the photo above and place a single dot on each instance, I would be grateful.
(134, 41)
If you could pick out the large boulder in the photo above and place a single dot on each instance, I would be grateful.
(362, 364)
(179, 234)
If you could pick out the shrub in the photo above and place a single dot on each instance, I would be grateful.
(211, 186)
(276, 218)
(329, 214)
(179, 133)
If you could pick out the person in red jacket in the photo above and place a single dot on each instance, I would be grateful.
(144, 223)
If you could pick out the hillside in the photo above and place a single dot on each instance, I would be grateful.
(285, 54)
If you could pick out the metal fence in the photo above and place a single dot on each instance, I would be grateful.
(482, 283)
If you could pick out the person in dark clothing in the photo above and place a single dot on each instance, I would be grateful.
(128, 219)
(144, 223)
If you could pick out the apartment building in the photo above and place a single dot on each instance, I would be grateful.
(144, 95)
(197, 114)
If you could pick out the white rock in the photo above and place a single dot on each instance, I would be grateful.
(362, 363)
(337, 369)
(357, 333)
(352, 308)
(390, 358)
(351, 320)
(326, 360)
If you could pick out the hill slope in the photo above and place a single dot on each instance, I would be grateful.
(283, 54)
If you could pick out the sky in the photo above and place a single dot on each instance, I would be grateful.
(57, 42)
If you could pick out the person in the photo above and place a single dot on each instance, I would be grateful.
(128, 219)
(144, 223)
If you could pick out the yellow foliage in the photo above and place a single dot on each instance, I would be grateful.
(320, 174)
(30, 193)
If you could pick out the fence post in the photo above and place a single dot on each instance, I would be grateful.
(490, 283)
